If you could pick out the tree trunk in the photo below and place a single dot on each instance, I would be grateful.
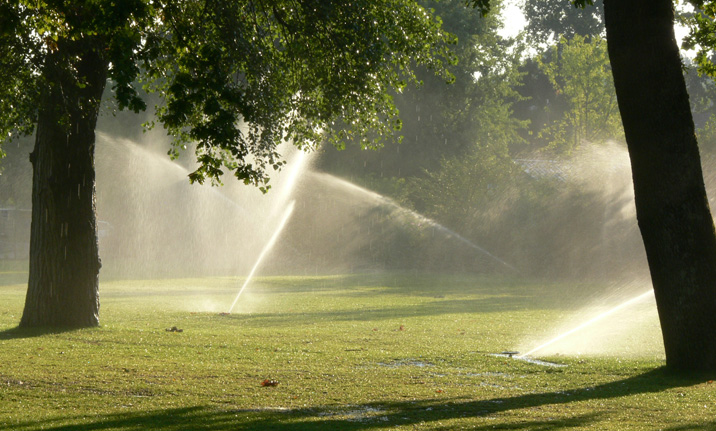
(672, 209)
(63, 287)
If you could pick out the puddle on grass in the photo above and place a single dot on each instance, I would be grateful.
(349, 413)
(406, 363)
(358, 414)
(528, 359)
(487, 374)
(264, 410)
(493, 385)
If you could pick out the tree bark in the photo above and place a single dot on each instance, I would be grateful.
(672, 209)
(63, 287)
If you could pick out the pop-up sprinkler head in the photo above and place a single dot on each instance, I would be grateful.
(509, 353)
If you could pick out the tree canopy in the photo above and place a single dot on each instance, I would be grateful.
(552, 19)
(580, 73)
(442, 120)
(702, 36)
(237, 78)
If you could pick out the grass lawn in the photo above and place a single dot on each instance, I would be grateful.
(355, 352)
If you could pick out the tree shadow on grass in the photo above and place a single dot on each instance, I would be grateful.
(383, 415)
(434, 307)
(20, 332)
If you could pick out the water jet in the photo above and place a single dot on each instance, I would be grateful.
(381, 200)
(267, 248)
(588, 323)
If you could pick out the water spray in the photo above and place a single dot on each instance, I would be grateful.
(296, 168)
(181, 171)
(588, 323)
(417, 216)
(267, 248)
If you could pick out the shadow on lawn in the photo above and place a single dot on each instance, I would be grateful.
(383, 415)
(20, 333)
(434, 307)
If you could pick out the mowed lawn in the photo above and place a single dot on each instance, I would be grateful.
(354, 352)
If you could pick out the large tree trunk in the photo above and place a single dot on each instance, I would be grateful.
(64, 258)
(672, 209)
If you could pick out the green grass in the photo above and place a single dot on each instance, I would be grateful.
(336, 347)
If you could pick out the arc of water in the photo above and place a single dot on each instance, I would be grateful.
(267, 248)
(391, 203)
(298, 164)
(588, 323)
(181, 171)
(462, 239)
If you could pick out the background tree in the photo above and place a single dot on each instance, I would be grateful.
(550, 20)
(442, 120)
(237, 78)
(580, 73)
(551, 24)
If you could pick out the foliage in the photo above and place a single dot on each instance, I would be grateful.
(442, 120)
(549, 21)
(236, 77)
(702, 91)
(464, 186)
(446, 121)
(549, 217)
(18, 88)
(539, 105)
(39, 33)
(707, 135)
(702, 97)
(702, 36)
(581, 74)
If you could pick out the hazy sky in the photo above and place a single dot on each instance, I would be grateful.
(513, 18)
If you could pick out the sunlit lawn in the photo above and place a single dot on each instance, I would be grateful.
(392, 351)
